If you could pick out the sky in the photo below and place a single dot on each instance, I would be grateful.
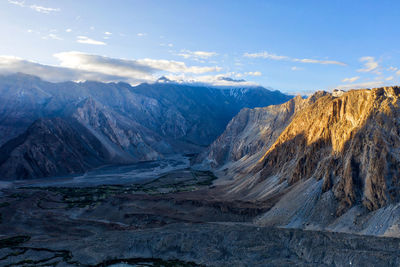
(291, 46)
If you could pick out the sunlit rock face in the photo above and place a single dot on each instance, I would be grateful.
(351, 142)
(328, 157)
(254, 130)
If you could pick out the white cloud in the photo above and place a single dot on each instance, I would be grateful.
(104, 65)
(52, 36)
(17, 3)
(398, 72)
(317, 61)
(253, 73)
(240, 75)
(196, 54)
(127, 68)
(351, 80)
(389, 78)
(267, 55)
(41, 9)
(391, 68)
(87, 40)
(78, 66)
(141, 34)
(294, 68)
(215, 80)
(107, 33)
(372, 84)
(68, 30)
(370, 65)
(168, 45)
(10, 64)
(176, 66)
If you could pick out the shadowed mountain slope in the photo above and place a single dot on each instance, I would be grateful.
(52, 147)
(195, 114)
(138, 123)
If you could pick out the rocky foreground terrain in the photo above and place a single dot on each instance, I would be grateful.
(142, 225)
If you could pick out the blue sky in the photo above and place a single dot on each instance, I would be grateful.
(292, 46)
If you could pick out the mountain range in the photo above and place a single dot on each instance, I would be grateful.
(260, 162)
(326, 162)
(51, 129)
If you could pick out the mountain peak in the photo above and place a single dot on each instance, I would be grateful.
(229, 79)
(164, 79)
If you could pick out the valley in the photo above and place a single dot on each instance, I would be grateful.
(115, 174)
(199, 133)
(308, 181)
(177, 219)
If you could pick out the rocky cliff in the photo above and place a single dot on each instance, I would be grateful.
(350, 142)
(336, 158)
(253, 131)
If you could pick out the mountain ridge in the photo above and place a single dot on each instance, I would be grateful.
(138, 123)
(336, 159)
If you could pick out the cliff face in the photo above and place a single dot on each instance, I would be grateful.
(253, 131)
(333, 165)
(350, 142)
